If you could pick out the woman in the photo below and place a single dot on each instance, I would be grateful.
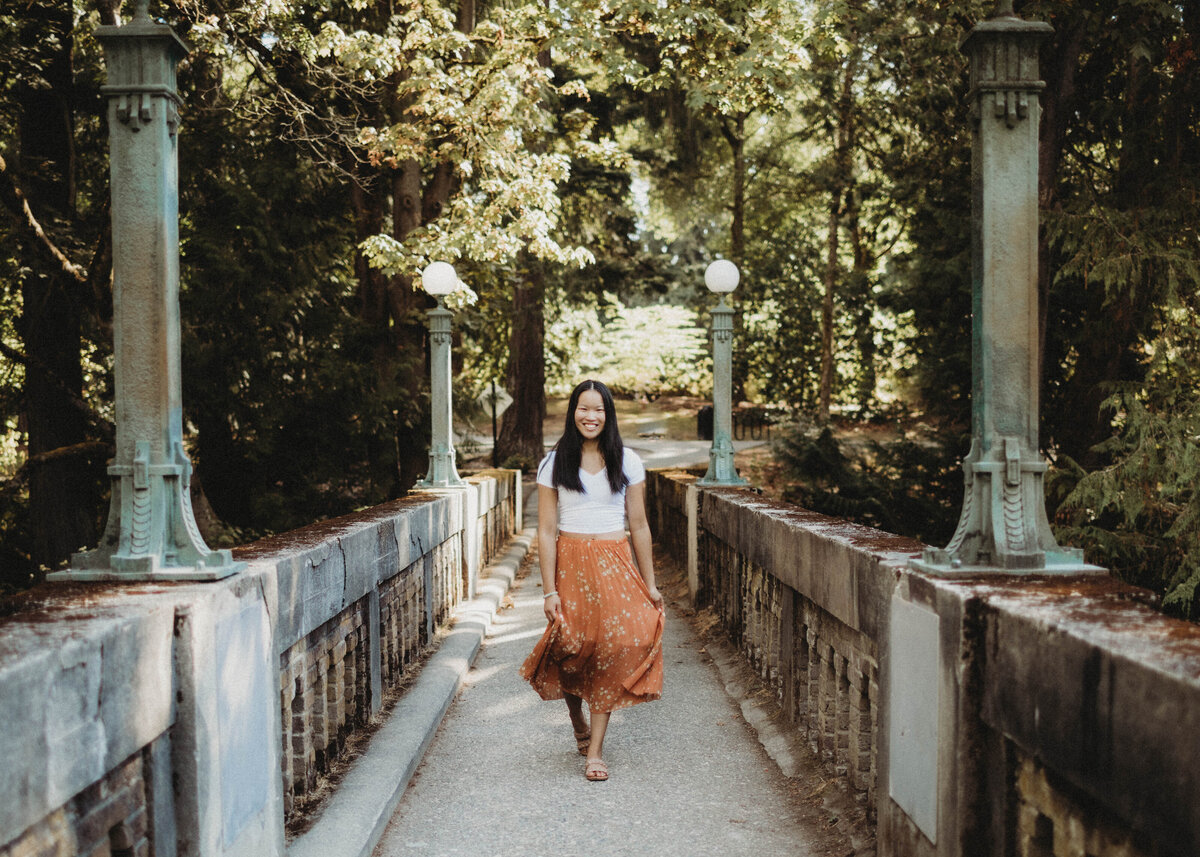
(603, 645)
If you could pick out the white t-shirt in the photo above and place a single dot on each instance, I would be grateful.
(596, 509)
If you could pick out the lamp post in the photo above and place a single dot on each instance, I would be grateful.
(1003, 525)
(151, 532)
(439, 280)
(721, 277)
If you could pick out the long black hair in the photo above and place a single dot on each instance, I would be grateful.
(569, 449)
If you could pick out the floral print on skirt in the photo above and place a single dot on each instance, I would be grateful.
(606, 644)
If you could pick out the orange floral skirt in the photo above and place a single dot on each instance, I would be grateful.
(606, 644)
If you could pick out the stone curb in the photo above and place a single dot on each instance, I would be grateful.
(355, 817)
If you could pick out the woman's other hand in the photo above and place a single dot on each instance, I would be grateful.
(656, 597)
(552, 606)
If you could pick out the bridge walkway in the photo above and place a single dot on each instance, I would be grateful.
(688, 776)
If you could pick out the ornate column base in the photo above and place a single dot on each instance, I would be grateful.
(442, 470)
(1003, 526)
(721, 470)
(151, 533)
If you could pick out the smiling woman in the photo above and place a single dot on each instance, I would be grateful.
(603, 645)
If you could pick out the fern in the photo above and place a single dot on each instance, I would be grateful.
(1140, 515)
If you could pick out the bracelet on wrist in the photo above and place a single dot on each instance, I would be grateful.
(548, 594)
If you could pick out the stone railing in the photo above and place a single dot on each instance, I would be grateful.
(979, 716)
(188, 719)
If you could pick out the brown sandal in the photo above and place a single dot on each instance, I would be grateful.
(595, 771)
(582, 740)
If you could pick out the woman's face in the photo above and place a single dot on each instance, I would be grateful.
(589, 414)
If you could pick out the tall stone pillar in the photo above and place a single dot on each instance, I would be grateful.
(721, 468)
(1003, 525)
(442, 470)
(151, 532)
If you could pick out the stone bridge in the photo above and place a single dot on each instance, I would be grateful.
(977, 715)
(997, 697)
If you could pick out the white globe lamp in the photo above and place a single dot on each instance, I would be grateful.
(721, 277)
(439, 279)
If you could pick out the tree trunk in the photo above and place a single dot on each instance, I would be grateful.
(844, 139)
(415, 202)
(736, 137)
(831, 272)
(409, 339)
(466, 16)
(520, 442)
(1112, 352)
(382, 452)
(859, 293)
(1059, 63)
(62, 491)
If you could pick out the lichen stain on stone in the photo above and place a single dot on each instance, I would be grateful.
(881, 542)
(53, 602)
(315, 534)
(1103, 608)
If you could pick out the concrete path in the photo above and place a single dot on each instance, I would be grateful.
(502, 777)
(660, 452)
(350, 823)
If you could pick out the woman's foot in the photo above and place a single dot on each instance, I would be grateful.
(595, 771)
(579, 723)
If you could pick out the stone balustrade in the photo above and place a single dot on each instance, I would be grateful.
(179, 719)
(1037, 716)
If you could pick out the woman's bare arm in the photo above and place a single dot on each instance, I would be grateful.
(547, 546)
(639, 533)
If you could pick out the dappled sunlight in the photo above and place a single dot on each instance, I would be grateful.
(514, 704)
(633, 349)
(525, 601)
(481, 674)
(512, 636)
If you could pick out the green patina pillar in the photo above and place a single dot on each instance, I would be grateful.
(1003, 525)
(442, 470)
(721, 468)
(151, 532)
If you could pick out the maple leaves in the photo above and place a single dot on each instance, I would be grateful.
(479, 104)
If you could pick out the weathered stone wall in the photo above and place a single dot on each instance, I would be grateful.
(85, 687)
(110, 818)
(325, 677)
(499, 506)
(1054, 822)
(666, 509)
(180, 719)
(800, 595)
(980, 716)
(1097, 697)
(402, 628)
(325, 694)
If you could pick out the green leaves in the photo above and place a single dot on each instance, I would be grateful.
(584, 342)
(729, 57)
(1140, 514)
(479, 103)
